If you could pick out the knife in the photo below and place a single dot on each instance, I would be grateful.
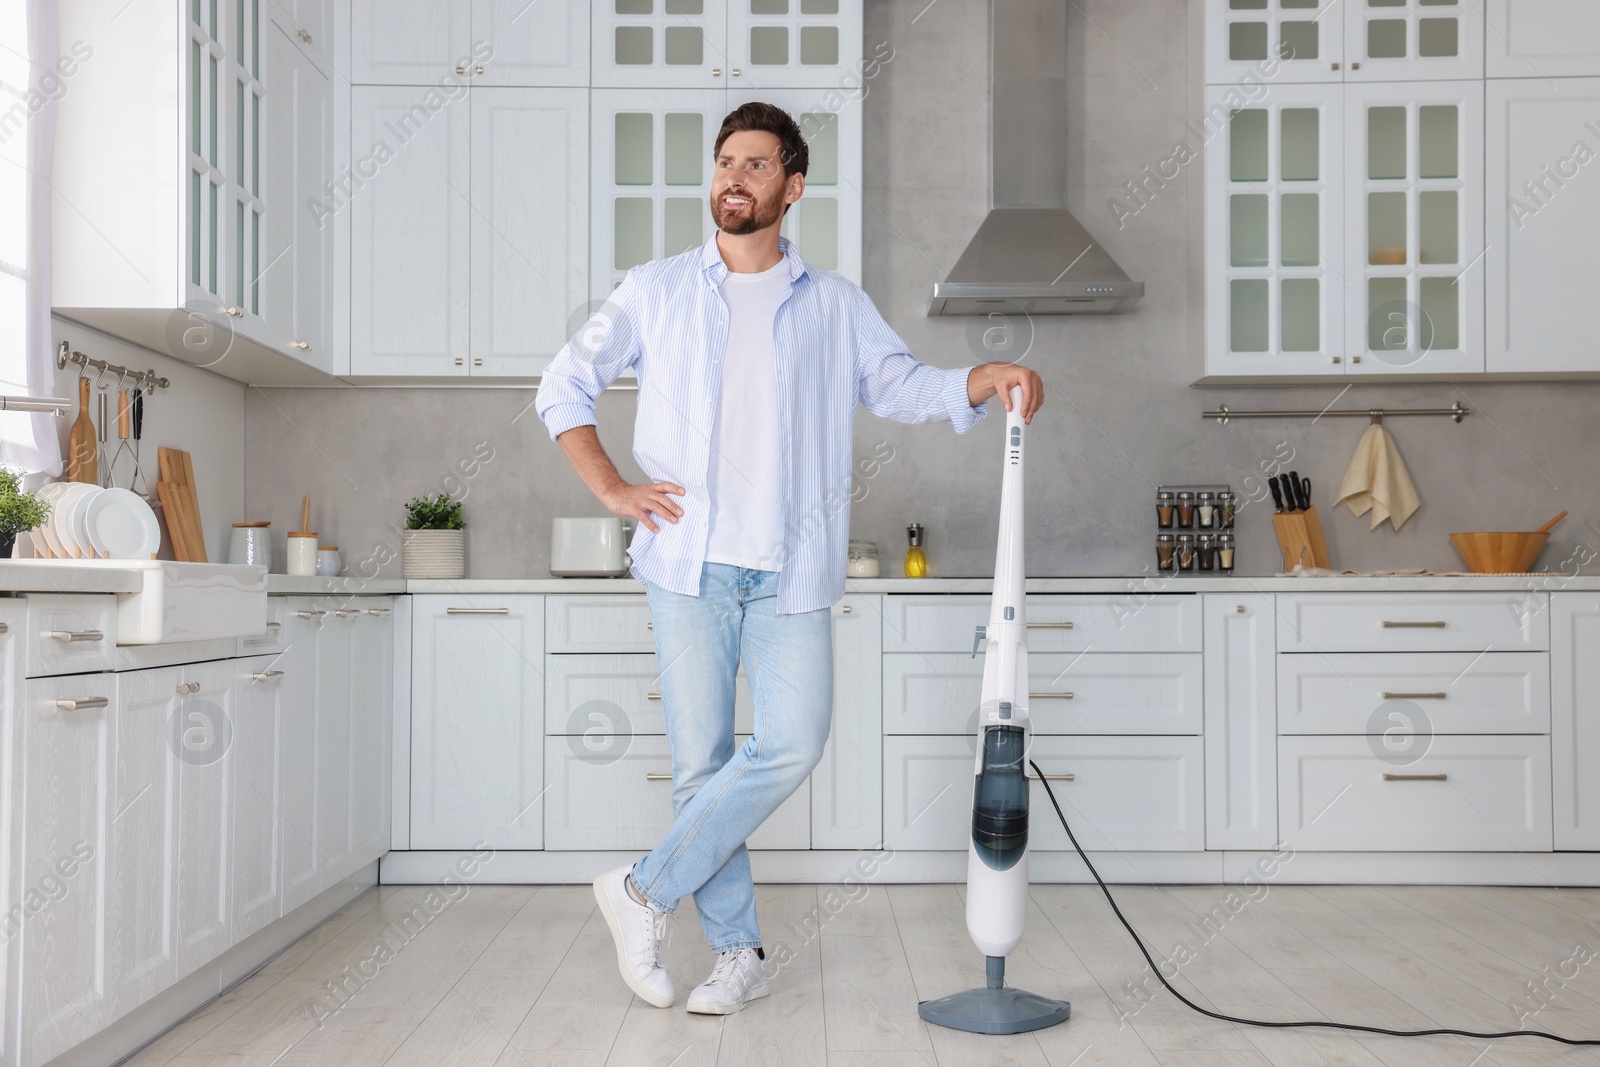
(1277, 493)
(1291, 484)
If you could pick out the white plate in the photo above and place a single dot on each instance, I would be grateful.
(122, 524)
(66, 522)
(45, 532)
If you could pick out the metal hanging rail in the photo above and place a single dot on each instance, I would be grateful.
(1456, 413)
(140, 379)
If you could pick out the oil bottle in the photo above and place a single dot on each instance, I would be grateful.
(916, 560)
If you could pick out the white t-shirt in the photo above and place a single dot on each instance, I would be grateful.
(744, 477)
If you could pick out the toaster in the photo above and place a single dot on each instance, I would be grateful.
(589, 547)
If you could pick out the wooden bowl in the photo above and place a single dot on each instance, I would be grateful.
(1499, 553)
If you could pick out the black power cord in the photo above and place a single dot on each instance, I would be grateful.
(1262, 1022)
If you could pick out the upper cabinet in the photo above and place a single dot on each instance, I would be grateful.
(219, 122)
(1542, 38)
(733, 44)
(486, 42)
(1349, 41)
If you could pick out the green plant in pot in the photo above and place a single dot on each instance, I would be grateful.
(19, 511)
(433, 544)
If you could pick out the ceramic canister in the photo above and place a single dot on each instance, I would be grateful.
(302, 553)
(251, 544)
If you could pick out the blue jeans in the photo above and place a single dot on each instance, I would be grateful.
(721, 794)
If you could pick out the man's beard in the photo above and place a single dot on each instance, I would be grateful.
(758, 216)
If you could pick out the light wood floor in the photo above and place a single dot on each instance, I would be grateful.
(526, 977)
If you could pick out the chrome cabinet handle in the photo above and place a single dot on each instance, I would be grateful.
(274, 625)
(461, 70)
(650, 625)
(735, 72)
(477, 611)
(1389, 624)
(652, 696)
(1052, 777)
(343, 614)
(267, 676)
(716, 72)
(82, 705)
(377, 612)
(1049, 696)
(236, 312)
(66, 637)
(5, 628)
(1388, 777)
(311, 614)
(653, 777)
(304, 36)
(188, 687)
(1414, 696)
(304, 346)
(847, 610)
(477, 70)
(1049, 625)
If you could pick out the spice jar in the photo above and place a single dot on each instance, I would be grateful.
(863, 560)
(1227, 503)
(1165, 543)
(1205, 510)
(1206, 552)
(1185, 553)
(1166, 502)
(1186, 510)
(1225, 553)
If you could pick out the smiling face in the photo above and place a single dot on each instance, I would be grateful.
(749, 191)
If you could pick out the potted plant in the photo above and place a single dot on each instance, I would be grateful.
(19, 511)
(433, 544)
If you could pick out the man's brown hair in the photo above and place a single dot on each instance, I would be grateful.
(792, 152)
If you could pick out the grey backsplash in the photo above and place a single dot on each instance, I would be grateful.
(1119, 416)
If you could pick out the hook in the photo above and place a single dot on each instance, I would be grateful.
(102, 374)
(1377, 416)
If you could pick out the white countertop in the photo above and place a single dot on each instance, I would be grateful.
(105, 576)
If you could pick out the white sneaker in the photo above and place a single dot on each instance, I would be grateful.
(637, 930)
(739, 977)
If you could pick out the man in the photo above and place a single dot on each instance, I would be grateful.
(750, 366)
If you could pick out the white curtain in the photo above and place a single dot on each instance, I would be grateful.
(29, 87)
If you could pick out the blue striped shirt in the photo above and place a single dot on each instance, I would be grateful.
(832, 350)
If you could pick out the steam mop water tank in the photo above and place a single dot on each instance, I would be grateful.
(1000, 800)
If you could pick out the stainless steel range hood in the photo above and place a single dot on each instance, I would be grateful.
(1030, 254)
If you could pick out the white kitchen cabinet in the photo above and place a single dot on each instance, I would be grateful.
(371, 726)
(336, 743)
(477, 721)
(793, 44)
(310, 22)
(301, 865)
(13, 663)
(1124, 794)
(599, 622)
(1288, 41)
(1575, 718)
(410, 233)
(203, 791)
(1540, 147)
(609, 697)
(1241, 732)
(845, 786)
(71, 633)
(530, 234)
(1465, 792)
(62, 992)
(1413, 227)
(1320, 623)
(1275, 203)
(1542, 39)
(142, 791)
(660, 44)
(1412, 40)
(1057, 623)
(1424, 692)
(256, 831)
(486, 42)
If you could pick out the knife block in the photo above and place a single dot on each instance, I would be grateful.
(1300, 539)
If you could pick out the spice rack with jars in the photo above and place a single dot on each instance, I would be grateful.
(1194, 529)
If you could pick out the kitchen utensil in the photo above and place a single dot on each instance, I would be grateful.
(1305, 492)
(588, 547)
(105, 423)
(1277, 493)
(251, 544)
(83, 464)
(172, 512)
(305, 513)
(1291, 491)
(1547, 526)
(178, 470)
(1501, 552)
(124, 418)
(122, 524)
(138, 465)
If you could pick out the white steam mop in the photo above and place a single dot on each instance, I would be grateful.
(997, 856)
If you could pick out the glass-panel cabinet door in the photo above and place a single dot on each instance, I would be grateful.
(650, 185)
(1406, 40)
(825, 223)
(208, 195)
(1414, 227)
(1274, 206)
(775, 44)
(1273, 41)
(659, 43)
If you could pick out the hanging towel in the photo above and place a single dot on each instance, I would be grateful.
(1378, 481)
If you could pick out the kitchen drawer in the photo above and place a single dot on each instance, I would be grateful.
(1413, 622)
(604, 622)
(1056, 623)
(601, 696)
(88, 625)
(1092, 692)
(1465, 793)
(1374, 692)
(1127, 793)
(270, 640)
(608, 803)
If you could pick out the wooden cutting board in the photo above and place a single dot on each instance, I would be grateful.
(177, 471)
